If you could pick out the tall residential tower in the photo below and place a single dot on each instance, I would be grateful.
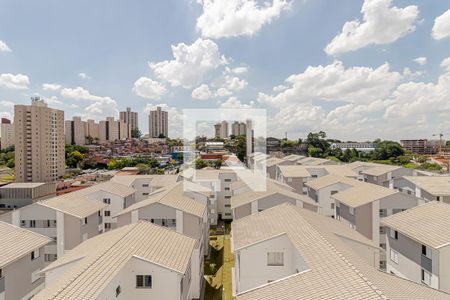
(158, 123)
(131, 119)
(39, 142)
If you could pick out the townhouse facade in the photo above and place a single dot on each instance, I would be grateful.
(21, 260)
(137, 261)
(418, 245)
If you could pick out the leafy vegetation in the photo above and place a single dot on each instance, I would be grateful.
(120, 163)
(74, 155)
(7, 157)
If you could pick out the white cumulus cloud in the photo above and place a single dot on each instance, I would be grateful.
(231, 18)
(148, 88)
(17, 82)
(222, 92)
(441, 28)
(202, 92)
(190, 64)
(81, 93)
(421, 60)
(83, 76)
(4, 47)
(382, 23)
(234, 102)
(51, 87)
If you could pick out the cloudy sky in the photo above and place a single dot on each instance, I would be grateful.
(357, 69)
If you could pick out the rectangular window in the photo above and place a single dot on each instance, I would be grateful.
(394, 256)
(275, 258)
(227, 188)
(145, 185)
(107, 225)
(227, 180)
(107, 200)
(227, 205)
(35, 254)
(107, 213)
(84, 221)
(334, 192)
(426, 251)
(32, 223)
(394, 234)
(227, 197)
(145, 194)
(351, 210)
(426, 277)
(144, 281)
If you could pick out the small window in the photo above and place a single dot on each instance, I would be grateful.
(394, 234)
(118, 290)
(227, 188)
(145, 185)
(32, 223)
(227, 197)
(275, 258)
(394, 256)
(227, 205)
(84, 221)
(334, 192)
(107, 213)
(227, 180)
(35, 254)
(145, 194)
(144, 281)
(426, 277)
(351, 210)
(107, 200)
(426, 251)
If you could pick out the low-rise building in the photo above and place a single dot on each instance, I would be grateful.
(66, 222)
(182, 211)
(21, 258)
(19, 194)
(428, 188)
(315, 161)
(144, 185)
(287, 252)
(418, 244)
(297, 175)
(136, 261)
(364, 206)
(251, 202)
(358, 146)
(380, 174)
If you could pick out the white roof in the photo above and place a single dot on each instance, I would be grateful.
(155, 180)
(435, 185)
(336, 271)
(174, 197)
(22, 185)
(328, 180)
(16, 242)
(365, 193)
(99, 259)
(428, 223)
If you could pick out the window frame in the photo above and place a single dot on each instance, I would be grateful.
(274, 261)
(144, 281)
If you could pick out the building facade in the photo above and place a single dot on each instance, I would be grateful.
(39, 142)
(158, 123)
(6, 133)
(130, 118)
(75, 131)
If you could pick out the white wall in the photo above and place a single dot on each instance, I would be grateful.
(251, 268)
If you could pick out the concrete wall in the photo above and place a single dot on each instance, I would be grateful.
(251, 268)
(166, 284)
(242, 211)
(18, 282)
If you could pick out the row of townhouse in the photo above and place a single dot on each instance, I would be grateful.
(74, 217)
(21, 259)
(428, 188)
(418, 244)
(75, 224)
(180, 208)
(217, 183)
(287, 252)
(140, 260)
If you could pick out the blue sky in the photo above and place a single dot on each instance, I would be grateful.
(100, 56)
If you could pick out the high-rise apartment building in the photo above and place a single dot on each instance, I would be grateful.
(92, 131)
(131, 120)
(75, 131)
(238, 128)
(6, 133)
(39, 142)
(221, 130)
(158, 123)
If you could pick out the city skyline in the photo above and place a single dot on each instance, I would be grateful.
(368, 84)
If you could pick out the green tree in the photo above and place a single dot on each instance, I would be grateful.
(11, 163)
(200, 163)
(217, 164)
(136, 133)
(241, 148)
(73, 158)
(143, 169)
(315, 151)
(386, 150)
